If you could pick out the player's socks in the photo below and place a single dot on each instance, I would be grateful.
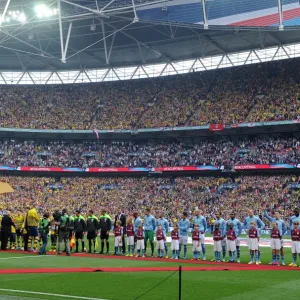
(294, 258)
(76, 243)
(166, 249)
(107, 246)
(257, 257)
(179, 251)
(219, 256)
(184, 250)
(203, 250)
(230, 256)
(282, 259)
(277, 257)
(82, 246)
(224, 251)
(139, 252)
(132, 249)
(116, 250)
(198, 255)
(216, 256)
(173, 253)
(238, 252)
(36, 241)
(233, 255)
(273, 258)
(258, 254)
(29, 243)
(252, 256)
(128, 251)
(90, 246)
(152, 248)
(194, 254)
(120, 250)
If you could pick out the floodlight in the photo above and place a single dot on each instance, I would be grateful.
(42, 11)
(22, 18)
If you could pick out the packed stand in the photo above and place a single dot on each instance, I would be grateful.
(170, 195)
(149, 153)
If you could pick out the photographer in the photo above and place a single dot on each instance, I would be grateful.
(64, 227)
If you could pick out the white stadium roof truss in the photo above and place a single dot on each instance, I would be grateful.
(102, 11)
(156, 70)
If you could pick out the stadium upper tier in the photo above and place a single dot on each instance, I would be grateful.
(173, 196)
(257, 93)
(66, 154)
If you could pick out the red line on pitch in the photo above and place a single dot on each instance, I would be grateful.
(214, 265)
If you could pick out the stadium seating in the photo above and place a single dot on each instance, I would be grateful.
(149, 154)
(172, 195)
(266, 92)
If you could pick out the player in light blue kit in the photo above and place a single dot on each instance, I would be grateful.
(294, 218)
(259, 225)
(237, 227)
(282, 228)
(184, 226)
(201, 222)
(222, 227)
(163, 222)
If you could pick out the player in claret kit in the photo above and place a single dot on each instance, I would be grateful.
(130, 237)
(160, 241)
(196, 243)
(175, 242)
(218, 237)
(275, 244)
(231, 243)
(118, 238)
(295, 234)
(253, 243)
(140, 241)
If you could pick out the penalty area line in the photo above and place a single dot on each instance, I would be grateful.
(49, 294)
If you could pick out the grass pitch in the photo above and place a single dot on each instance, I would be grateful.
(221, 285)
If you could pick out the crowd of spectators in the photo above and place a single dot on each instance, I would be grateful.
(149, 153)
(261, 92)
(170, 195)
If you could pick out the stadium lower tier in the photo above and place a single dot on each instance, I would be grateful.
(170, 195)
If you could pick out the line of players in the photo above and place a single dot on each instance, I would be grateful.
(225, 234)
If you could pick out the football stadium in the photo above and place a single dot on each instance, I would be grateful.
(149, 149)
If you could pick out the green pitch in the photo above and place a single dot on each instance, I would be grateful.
(221, 285)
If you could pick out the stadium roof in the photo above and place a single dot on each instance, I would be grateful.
(30, 37)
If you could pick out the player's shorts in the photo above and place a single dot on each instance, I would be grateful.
(104, 235)
(253, 244)
(79, 235)
(238, 242)
(296, 247)
(175, 245)
(130, 240)
(183, 240)
(91, 235)
(19, 233)
(275, 244)
(118, 241)
(160, 245)
(149, 235)
(202, 238)
(231, 246)
(218, 246)
(223, 243)
(196, 246)
(282, 243)
(33, 231)
(12, 238)
(140, 244)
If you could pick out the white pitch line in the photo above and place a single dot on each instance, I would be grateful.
(49, 294)
(25, 256)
